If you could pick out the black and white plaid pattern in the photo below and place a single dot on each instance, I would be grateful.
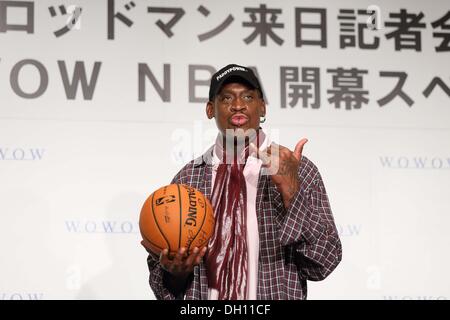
(296, 245)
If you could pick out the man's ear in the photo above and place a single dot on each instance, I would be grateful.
(210, 110)
(262, 109)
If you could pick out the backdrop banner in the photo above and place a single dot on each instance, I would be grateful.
(102, 102)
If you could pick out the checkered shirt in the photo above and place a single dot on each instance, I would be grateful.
(296, 244)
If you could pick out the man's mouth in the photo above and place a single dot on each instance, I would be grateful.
(239, 120)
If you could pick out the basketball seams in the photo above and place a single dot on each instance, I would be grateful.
(181, 216)
(152, 243)
(156, 222)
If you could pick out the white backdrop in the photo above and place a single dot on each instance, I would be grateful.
(76, 168)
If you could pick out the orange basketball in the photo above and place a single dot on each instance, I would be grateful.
(176, 216)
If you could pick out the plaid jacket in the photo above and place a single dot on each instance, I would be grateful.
(296, 245)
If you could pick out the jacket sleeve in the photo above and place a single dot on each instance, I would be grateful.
(156, 278)
(309, 226)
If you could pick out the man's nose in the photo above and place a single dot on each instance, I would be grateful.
(238, 104)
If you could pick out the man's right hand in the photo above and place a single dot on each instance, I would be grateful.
(182, 264)
(179, 267)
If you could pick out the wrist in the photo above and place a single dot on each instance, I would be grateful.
(178, 282)
(290, 194)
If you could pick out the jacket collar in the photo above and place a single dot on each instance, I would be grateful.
(205, 158)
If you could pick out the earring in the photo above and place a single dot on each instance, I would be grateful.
(262, 119)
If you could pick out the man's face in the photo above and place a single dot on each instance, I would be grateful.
(236, 106)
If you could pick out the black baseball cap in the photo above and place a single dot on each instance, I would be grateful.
(233, 73)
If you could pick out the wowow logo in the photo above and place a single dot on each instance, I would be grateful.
(415, 162)
(415, 297)
(349, 230)
(102, 226)
(21, 295)
(21, 154)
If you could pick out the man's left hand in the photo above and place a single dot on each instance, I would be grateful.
(283, 165)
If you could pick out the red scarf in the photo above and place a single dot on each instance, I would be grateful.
(226, 260)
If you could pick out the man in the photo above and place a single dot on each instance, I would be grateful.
(274, 227)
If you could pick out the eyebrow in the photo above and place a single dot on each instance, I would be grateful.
(242, 92)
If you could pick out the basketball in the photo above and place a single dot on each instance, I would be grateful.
(176, 216)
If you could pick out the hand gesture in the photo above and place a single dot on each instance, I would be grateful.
(282, 165)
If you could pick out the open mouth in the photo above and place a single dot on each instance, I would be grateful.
(239, 120)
